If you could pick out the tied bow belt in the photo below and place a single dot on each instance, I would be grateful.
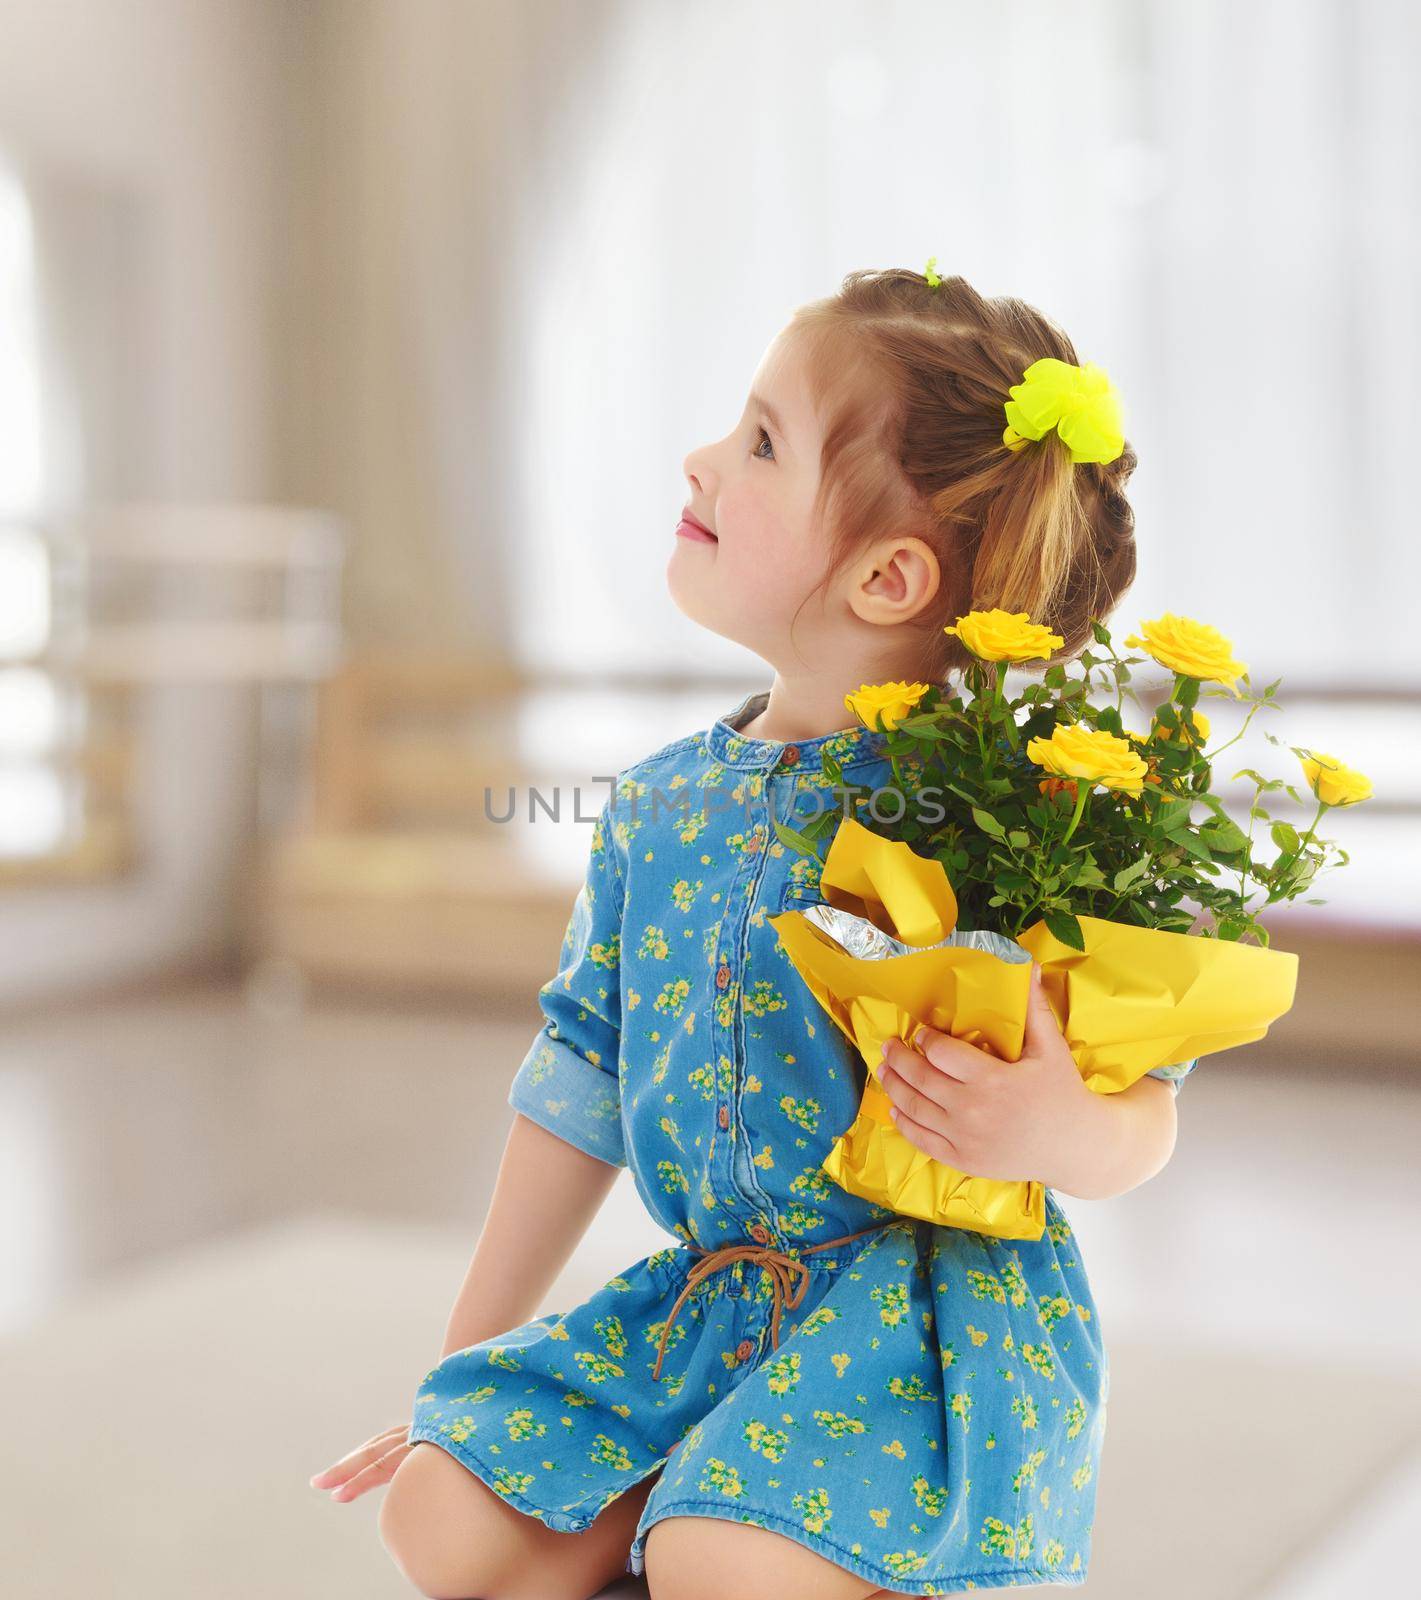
(778, 1263)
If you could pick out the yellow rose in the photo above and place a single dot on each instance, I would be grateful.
(1332, 783)
(882, 706)
(1201, 724)
(1193, 648)
(999, 635)
(1094, 754)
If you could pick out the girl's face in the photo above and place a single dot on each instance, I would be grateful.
(754, 489)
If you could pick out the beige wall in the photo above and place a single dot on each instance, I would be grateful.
(332, 192)
(185, 108)
(419, 139)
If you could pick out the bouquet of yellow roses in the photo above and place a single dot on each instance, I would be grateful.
(1041, 828)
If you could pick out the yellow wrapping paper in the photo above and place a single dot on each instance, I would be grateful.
(1134, 999)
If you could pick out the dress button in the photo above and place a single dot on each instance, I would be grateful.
(722, 976)
(744, 1350)
(760, 1234)
(723, 1116)
(789, 756)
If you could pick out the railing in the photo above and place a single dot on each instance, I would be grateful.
(123, 599)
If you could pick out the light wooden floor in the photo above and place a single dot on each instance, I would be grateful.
(232, 1234)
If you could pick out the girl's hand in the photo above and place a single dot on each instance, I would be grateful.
(373, 1463)
(1015, 1120)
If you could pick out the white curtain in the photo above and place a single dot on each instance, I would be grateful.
(1217, 200)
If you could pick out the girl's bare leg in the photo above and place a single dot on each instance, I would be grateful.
(706, 1558)
(454, 1538)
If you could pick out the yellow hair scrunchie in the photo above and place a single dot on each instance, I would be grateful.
(1080, 403)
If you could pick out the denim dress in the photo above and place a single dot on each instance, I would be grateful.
(921, 1405)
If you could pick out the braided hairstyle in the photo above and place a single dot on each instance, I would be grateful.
(912, 375)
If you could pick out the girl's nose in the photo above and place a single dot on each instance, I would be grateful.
(698, 471)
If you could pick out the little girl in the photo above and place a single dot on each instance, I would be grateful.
(808, 1394)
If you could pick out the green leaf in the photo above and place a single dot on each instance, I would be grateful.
(1065, 926)
(1224, 836)
(1019, 839)
(1131, 874)
(1195, 846)
(960, 792)
(988, 823)
(794, 839)
(1258, 778)
(1174, 819)
(930, 722)
(1285, 836)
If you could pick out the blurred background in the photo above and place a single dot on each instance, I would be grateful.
(349, 353)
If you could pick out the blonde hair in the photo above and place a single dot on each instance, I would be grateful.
(910, 380)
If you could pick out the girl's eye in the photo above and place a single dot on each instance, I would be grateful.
(765, 438)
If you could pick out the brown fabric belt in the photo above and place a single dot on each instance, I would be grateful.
(778, 1263)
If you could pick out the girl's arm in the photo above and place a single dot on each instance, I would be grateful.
(562, 1154)
(1121, 1140)
(566, 1145)
(546, 1193)
(544, 1199)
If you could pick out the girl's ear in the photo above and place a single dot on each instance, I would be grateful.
(893, 580)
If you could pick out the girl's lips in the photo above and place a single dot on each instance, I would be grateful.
(693, 530)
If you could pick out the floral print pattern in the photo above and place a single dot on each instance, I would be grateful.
(933, 1416)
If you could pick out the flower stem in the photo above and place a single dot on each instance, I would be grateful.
(1321, 807)
(1081, 792)
(979, 670)
(1218, 750)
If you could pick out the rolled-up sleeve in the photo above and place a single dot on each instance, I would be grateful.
(568, 1082)
(1174, 1075)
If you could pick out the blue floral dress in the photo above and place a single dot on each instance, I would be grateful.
(921, 1405)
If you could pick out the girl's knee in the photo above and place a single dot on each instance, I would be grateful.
(705, 1558)
(428, 1523)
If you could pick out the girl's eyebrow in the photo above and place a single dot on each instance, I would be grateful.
(759, 401)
